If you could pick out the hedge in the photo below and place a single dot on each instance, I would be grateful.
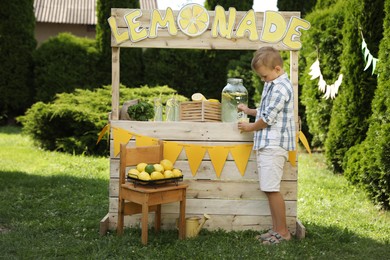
(72, 122)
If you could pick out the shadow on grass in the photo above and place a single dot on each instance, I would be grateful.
(10, 130)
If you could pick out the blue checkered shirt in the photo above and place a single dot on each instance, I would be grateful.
(277, 110)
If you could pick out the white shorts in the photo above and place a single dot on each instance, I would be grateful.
(270, 164)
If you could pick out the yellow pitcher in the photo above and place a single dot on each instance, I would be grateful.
(193, 226)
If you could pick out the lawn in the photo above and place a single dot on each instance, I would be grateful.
(51, 204)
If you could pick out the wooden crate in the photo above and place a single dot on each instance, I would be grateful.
(200, 111)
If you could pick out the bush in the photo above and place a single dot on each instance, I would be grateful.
(64, 63)
(368, 164)
(322, 41)
(73, 121)
(352, 107)
(17, 43)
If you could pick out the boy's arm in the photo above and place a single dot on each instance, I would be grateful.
(249, 111)
(251, 127)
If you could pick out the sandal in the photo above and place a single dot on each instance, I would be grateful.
(276, 238)
(266, 235)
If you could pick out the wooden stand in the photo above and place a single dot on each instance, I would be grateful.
(144, 199)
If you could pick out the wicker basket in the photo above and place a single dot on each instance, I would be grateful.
(200, 111)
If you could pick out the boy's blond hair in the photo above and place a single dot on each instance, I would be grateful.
(268, 57)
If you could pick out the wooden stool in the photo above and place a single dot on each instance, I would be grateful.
(146, 199)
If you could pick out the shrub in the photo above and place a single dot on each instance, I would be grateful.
(322, 41)
(72, 122)
(17, 43)
(64, 63)
(368, 164)
(352, 107)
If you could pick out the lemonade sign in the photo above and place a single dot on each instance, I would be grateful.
(194, 20)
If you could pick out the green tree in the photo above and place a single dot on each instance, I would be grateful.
(131, 64)
(323, 42)
(304, 6)
(352, 107)
(62, 64)
(17, 43)
(368, 164)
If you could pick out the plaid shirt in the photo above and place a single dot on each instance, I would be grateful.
(277, 110)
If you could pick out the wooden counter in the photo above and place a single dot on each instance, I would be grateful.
(233, 201)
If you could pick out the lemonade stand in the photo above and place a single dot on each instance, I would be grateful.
(217, 160)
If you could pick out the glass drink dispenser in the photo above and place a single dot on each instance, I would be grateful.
(233, 94)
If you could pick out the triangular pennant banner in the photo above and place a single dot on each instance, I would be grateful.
(241, 154)
(120, 136)
(304, 141)
(218, 155)
(141, 140)
(172, 150)
(104, 130)
(292, 157)
(195, 154)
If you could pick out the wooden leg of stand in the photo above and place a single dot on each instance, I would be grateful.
(182, 219)
(144, 227)
(121, 207)
(157, 219)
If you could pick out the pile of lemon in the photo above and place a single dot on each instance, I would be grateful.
(158, 171)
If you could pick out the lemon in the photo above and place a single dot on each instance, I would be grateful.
(168, 174)
(197, 97)
(144, 176)
(177, 172)
(213, 100)
(141, 167)
(133, 173)
(167, 164)
(158, 167)
(149, 168)
(156, 176)
(193, 19)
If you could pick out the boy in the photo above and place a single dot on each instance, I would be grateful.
(274, 135)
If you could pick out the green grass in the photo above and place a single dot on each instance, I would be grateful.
(51, 204)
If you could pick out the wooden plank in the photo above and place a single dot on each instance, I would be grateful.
(230, 171)
(225, 222)
(104, 225)
(294, 80)
(189, 131)
(220, 207)
(300, 230)
(203, 41)
(115, 82)
(230, 190)
(119, 13)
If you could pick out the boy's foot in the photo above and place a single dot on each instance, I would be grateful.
(276, 238)
(266, 235)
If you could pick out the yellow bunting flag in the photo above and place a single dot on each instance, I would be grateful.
(141, 140)
(304, 141)
(292, 157)
(120, 136)
(195, 154)
(104, 130)
(172, 150)
(218, 155)
(241, 154)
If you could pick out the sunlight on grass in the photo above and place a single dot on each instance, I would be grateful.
(328, 199)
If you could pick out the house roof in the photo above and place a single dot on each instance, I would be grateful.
(73, 11)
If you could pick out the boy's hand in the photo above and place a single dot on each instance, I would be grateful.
(242, 107)
(245, 127)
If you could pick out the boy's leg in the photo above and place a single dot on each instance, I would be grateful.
(270, 165)
(278, 214)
